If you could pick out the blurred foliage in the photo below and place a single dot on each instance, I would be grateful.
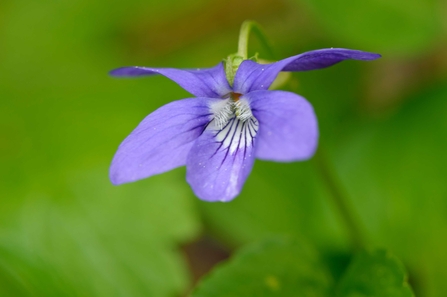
(401, 181)
(66, 231)
(398, 27)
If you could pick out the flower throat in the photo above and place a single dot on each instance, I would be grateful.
(233, 106)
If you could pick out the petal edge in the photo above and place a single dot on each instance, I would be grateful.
(208, 82)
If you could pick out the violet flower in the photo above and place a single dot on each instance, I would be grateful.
(219, 132)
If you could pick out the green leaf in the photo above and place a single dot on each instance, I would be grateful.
(274, 267)
(375, 274)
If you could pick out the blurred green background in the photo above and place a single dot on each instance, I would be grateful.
(66, 231)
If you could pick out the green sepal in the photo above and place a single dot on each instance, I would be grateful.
(231, 65)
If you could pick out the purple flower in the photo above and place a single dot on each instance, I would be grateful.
(219, 133)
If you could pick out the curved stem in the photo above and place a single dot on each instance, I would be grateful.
(340, 200)
(246, 28)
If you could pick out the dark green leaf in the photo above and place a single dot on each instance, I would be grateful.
(375, 274)
(279, 267)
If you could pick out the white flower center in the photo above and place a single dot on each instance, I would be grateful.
(234, 123)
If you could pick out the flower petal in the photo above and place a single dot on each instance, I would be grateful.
(288, 129)
(161, 141)
(252, 76)
(221, 160)
(210, 82)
